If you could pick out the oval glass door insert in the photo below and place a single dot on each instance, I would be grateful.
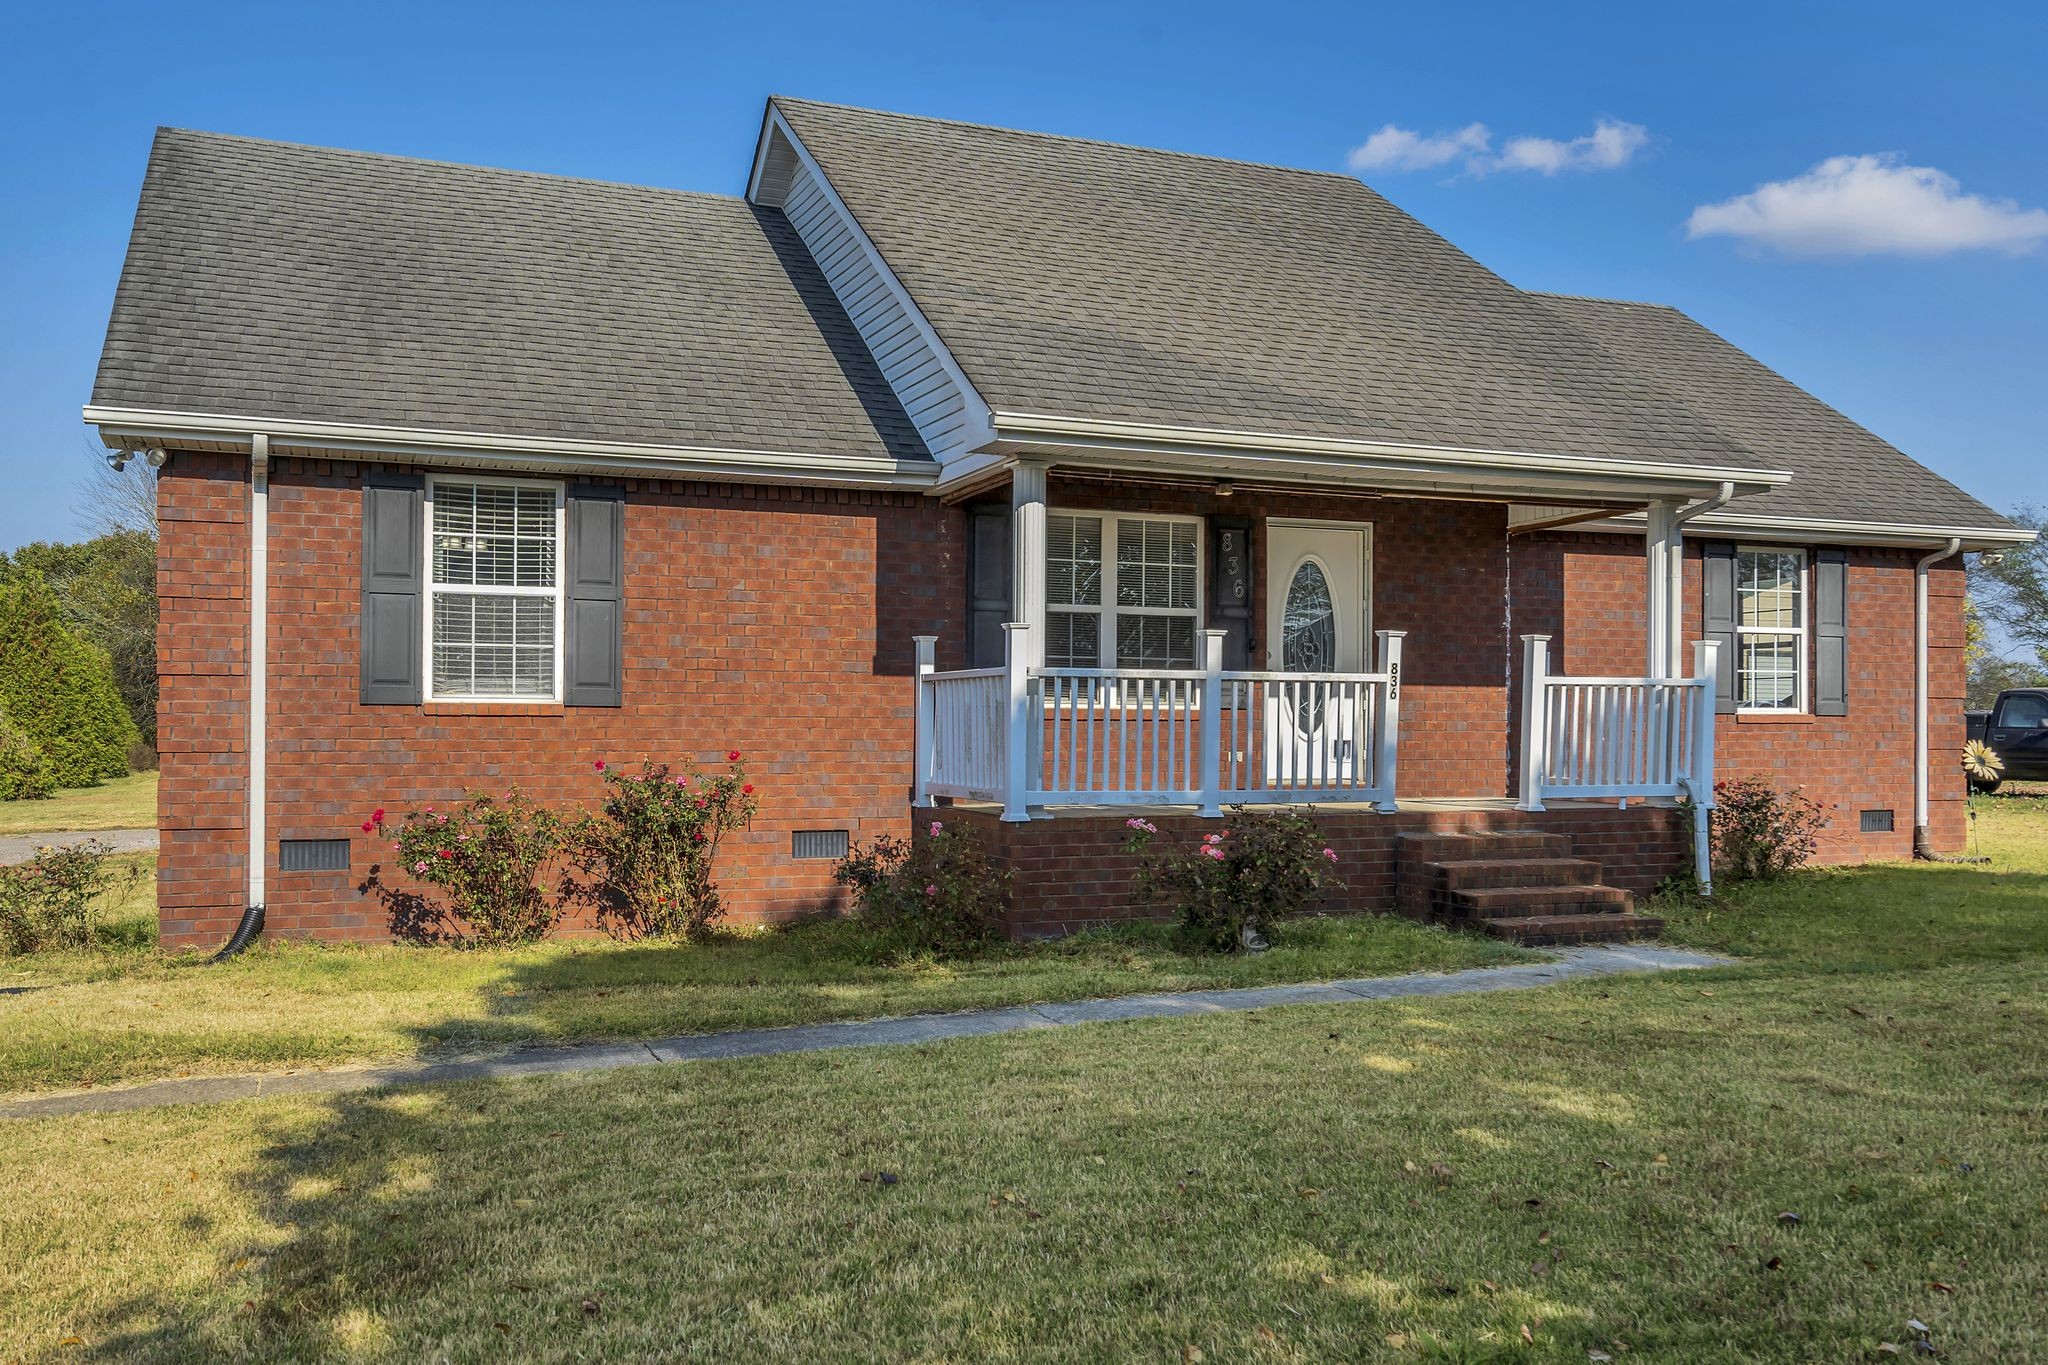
(1308, 636)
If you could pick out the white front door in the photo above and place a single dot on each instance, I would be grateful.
(1318, 601)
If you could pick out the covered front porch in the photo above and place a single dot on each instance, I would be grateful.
(1140, 641)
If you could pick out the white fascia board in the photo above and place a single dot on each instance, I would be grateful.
(497, 450)
(1215, 453)
(1827, 531)
(979, 430)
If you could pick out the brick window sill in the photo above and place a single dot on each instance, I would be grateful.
(494, 708)
(1774, 718)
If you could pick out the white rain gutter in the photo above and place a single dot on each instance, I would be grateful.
(502, 450)
(1922, 848)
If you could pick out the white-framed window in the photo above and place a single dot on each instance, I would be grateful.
(1122, 590)
(494, 596)
(1770, 629)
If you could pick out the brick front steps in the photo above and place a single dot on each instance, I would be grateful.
(1525, 887)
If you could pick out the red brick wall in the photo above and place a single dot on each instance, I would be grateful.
(1587, 591)
(774, 621)
(203, 694)
(1071, 873)
(1439, 573)
(779, 622)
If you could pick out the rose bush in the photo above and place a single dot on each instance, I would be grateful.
(934, 894)
(1231, 891)
(53, 900)
(487, 855)
(1760, 832)
(647, 856)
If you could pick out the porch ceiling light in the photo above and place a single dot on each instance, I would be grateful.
(1225, 488)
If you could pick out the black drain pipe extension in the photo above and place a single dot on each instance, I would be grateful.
(245, 934)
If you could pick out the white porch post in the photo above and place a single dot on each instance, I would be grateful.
(921, 750)
(1020, 757)
(1027, 540)
(1535, 737)
(1211, 757)
(1386, 722)
(1674, 611)
(1706, 666)
(1659, 632)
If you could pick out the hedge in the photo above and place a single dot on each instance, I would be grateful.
(59, 689)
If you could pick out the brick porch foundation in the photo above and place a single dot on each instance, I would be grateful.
(1069, 871)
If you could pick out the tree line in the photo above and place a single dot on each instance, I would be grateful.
(78, 621)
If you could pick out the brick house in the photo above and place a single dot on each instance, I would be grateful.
(1195, 481)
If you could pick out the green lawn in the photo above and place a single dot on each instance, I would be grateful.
(123, 803)
(1604, 1166)
(128, 1011)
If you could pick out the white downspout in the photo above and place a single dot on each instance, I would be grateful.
(1922, 848)
(259, 660)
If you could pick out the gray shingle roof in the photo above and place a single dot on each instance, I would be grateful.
(297, 282)
(1091, 280)
(1841, 471)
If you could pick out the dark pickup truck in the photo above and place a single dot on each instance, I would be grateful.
(2016, 728)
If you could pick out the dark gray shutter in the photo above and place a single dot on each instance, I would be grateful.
(594, 602)
(1717, 563)
(1230, 587)
(393, 562)
(1831, 632)
(988, 583)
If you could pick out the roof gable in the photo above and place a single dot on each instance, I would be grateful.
(949, 415)
(279, 281)
(1096, 281)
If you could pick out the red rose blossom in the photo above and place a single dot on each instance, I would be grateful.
(599, 765)
(377, 816)
(368, 828)
(733, 757)
(748, 789)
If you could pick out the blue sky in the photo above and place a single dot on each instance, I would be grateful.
(1917, 304)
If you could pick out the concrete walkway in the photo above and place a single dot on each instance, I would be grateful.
(1571, 964)
(19, 848)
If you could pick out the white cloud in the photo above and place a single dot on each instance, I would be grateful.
(1870, 205)
(1399, 149)
(1611, 144)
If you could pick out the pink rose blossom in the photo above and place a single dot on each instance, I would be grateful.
(1213, 839)
(1331, 854)
(932, 890)
(1143, 826)
(420, 866)
(936, 827)
(1211, 851)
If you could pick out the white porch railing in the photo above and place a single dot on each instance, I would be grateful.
(1203, 737)
(1620, 737)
